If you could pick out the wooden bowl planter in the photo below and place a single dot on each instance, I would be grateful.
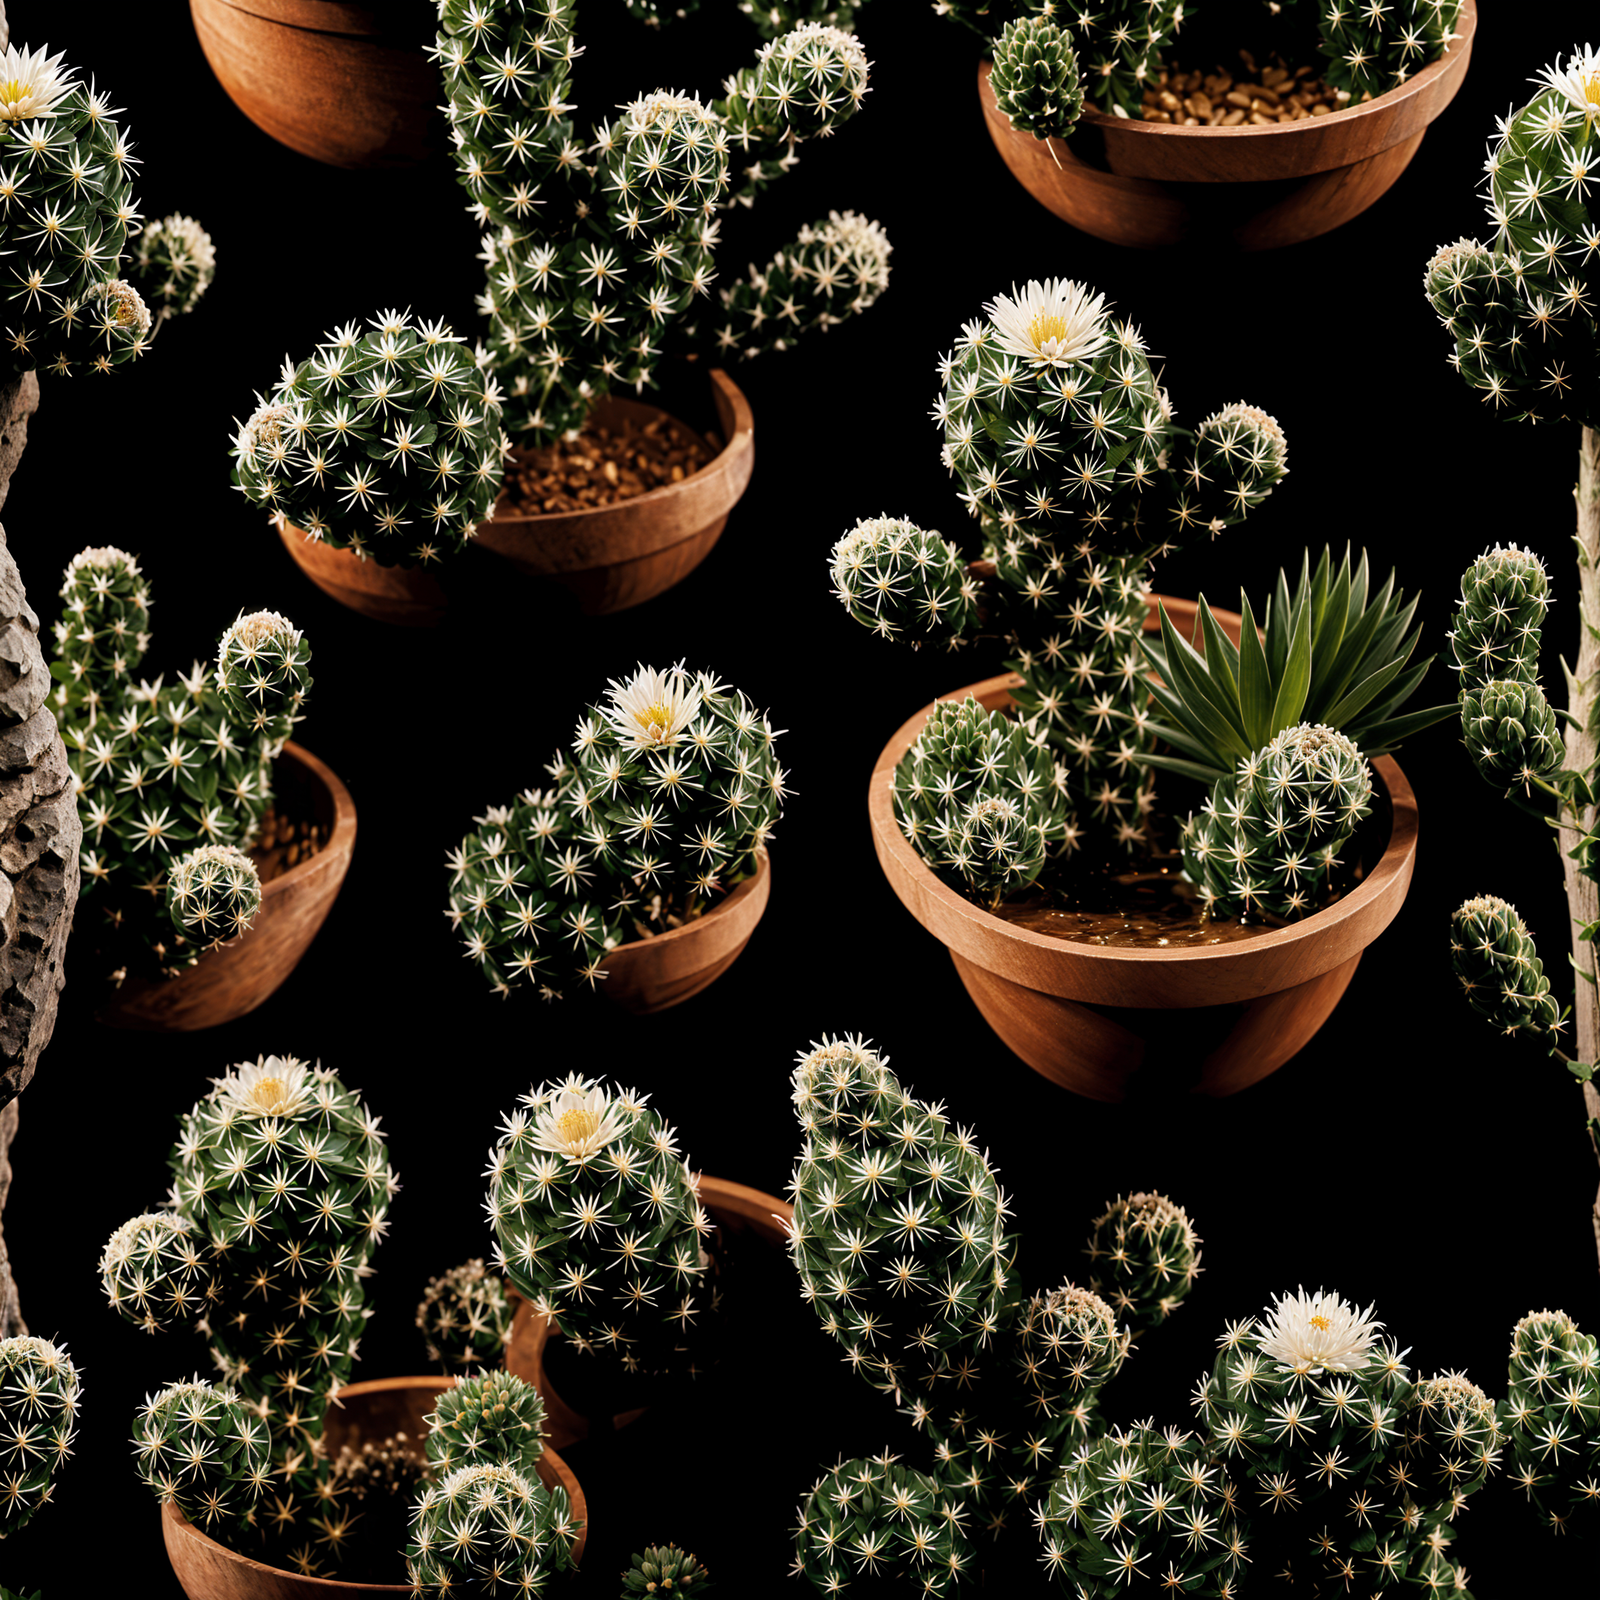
(1152, 184)
(616, 556)
(208, 1570)
(737, 1211)
(1089, 1017)
(343, 83)
(664, 970)
(237, 976)
(406, 596)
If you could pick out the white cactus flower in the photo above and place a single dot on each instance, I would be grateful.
(1050, 323)
(652, 708)
(1318, 1333)
(579, 1123)
(31, 84)
(1578, 80)
(274, 1086)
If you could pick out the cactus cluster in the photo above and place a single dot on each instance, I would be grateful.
(1551, 1419)
(1367, 49)
(664, 1569)
(600, 247)
(281, 1189)
(666, 795)
(465, 1318)
(489, 1530)
(173, 779)
(597, 1223)
(200, 1448)
(39, 1395)
(1498, 967)
(386, 442)
(492, 1417)
(1144, 1256)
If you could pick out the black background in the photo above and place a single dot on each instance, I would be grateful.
(1407, 1157)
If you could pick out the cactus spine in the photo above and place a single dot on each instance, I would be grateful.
(39, 1396)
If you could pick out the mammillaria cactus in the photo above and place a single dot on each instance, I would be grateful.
(386, 442)
(597, 1223)
(1499, 969)
(668, 792)
(594, 271)
(174, 779)
(493, 1416)
(1035, 77)
(465, 1318)
(1549, 1419)
(489, 1530)
(39, 1393)
(274, 1269)
(1144, 1256)
(664, 1569)
(199, 1448)
(1367, 49)
(173, 264)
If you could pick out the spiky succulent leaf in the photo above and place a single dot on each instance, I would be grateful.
(1499, 969)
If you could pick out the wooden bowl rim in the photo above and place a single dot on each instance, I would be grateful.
(341, 836)
(1366, 902)
(179, 1523)
(741, 439)
(337, 18)
(687, 931)
(1383, 104)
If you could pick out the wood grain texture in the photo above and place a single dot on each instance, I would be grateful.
(735, 1208)
(406, 596)
(237, 976)
(208, 1570)
(1088, 1016)
(664, 970)
(1150, 185)
(616, 556)
(346, 84)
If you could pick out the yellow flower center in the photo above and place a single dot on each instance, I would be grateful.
(577, 1125)
(1591, 91)
(269, 1095)
(1321, 1324)
(1045, 326)
(15, 89)
(655, 719)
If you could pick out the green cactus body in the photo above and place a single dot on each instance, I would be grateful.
(1035, 77)
(1369, 49)
(1511, 732)
(1144, 1255)
(173, 264)
(1452, 1440)
(597, 1222)
(66, 206)
(465, 1318)
(39, 1395)
(281, 1188)
(387, 443)
(1142, 1512)
(1268, 840)
(664, 1570)
(883, 1529)
(493, 1416)
(594, 270)
(1499, 969)
(670, 790)
(1550, 1419)
(172, 780)
(200, 1448)
(979, 798)
(489, 1530)
(892, 577)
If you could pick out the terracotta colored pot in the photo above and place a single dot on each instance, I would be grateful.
(408, 596)
(1090, 1017)
(347, 84)
(1151, 184)
(375, 1410)
(735, 1209)
(237, 976)
(652, 974)
(616, 556)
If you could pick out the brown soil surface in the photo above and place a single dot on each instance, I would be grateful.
(1246, 95)
(285, 842)
(603, 465)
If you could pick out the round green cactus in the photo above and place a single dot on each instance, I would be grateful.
(213, 894)
(1512, 734)
(1505, 594)
(155, 1270)
(1452, 1439)
(1548, 1419)
(262, 675)
(465, 1318)
(881, 1528)
(664, 1569)
(387, 443)
(1494, 958)
(1069, 1345)
(1370, 49)
(173, 264)
(199, 1447)
(104, 628)
(1240, 455)
(1035, 77)
(39, 1395)
(489, 1530)
(895, 578)
(1144, 1255)
(491, 1417)
(807, 81)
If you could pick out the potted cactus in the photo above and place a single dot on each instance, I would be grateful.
(1065, 450)
(595, 274)
(1527, 340)
(643, 868)
(176, 784)
(1089, 116)
(279, 1456)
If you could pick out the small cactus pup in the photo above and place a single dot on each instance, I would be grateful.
(39, 1397)
(1144, 1256)
(273, 1271)
(385, 441)
(1550, 1419)
(465, 1318)
(199, 1447)
(902, 1243)
(664, 1569)
(492, 1416)
(663, 802)
(174, 780)
(602, 244)
(632, 1285)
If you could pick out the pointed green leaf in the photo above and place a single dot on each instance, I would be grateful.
(1255, 683)
(1296, 680)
